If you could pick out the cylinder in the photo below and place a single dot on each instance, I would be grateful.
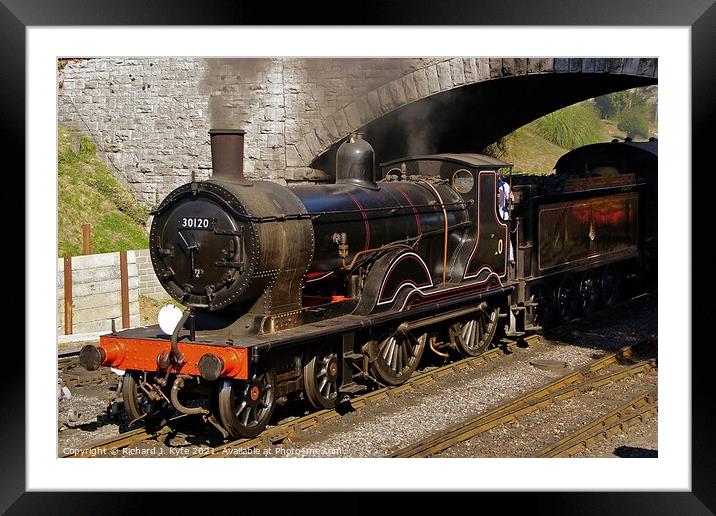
(227, 154)
(108, 354)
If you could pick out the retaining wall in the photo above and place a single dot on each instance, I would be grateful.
(96, 292)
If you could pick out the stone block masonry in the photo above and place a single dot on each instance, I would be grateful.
(150, 117)
(148, 283)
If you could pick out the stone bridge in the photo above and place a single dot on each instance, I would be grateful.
(150, 117)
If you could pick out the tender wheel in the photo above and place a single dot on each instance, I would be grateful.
(398, 357)
(587, 293)
(565, 300)
(320, 380)
(609, 284)
(474, 336)
(246, 406)
(138, 403)
(544, 312)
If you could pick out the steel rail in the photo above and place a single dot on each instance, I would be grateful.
(279, 433)
(108, 447)
(562, 388)
(632, 412)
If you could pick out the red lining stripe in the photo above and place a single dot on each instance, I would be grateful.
(418, 226)
(365, 221)
(407, 256)
(441, 295)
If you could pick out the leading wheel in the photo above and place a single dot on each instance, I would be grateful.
(320, 380)
(398, 356)
(609, 285)
(144, 403)
(474, 336)
(246, 406)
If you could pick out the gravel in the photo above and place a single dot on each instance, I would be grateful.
(384, 426)
(639, 441)
(88, 416)
(532, 432)
(377, 430)
(391, 424)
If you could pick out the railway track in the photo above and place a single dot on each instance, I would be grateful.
(562, 388)
(279, 433)
(111, 446)
(74, 375)
(68, 359)
(621, 419)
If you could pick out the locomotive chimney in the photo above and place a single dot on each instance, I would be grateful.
(227, 154)
(355, 163)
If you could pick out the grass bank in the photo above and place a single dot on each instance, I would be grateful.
(88, 193)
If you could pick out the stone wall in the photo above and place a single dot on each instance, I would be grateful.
(150, 117)
(96, 297)
(148, 283)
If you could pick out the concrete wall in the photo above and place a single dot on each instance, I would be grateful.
(96, 297)
(148, 283)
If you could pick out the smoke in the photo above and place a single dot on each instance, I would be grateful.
(431, 125)
(230, 84)
(426, 126)
(420, 125)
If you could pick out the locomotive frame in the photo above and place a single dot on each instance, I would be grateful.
(320, 291)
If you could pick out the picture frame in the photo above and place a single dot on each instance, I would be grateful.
(16, 16)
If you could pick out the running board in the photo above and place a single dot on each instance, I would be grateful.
(443, 317)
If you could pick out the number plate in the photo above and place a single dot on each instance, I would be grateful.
(195, 223)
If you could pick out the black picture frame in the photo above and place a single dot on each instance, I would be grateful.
(700, 15)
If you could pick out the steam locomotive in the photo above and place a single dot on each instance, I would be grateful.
(321, 290)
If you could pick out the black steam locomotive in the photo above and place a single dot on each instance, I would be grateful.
(320, 290)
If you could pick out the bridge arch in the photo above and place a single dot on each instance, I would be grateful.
(418, 112)
(150, 117)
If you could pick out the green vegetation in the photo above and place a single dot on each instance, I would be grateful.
(149, 308)
(532, 152)
(570, 127)
(633, 122)
(535, 147)
(88, 193)
(641, 101)
(528, 152)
